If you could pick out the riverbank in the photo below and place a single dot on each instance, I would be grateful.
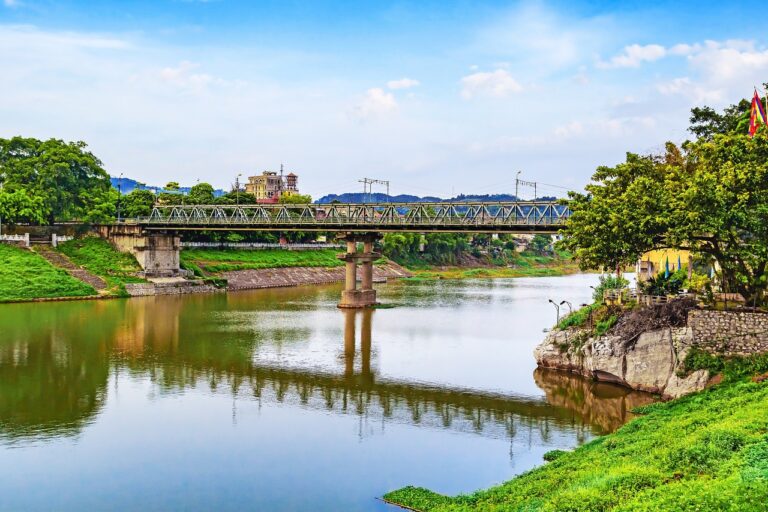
(526, 264)
(707, 451)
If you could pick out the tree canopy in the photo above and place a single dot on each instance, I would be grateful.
(709, 196)
(59, 180)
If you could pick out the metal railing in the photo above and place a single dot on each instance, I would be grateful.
(523, 216)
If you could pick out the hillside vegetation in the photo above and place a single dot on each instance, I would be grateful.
(26, 275)
(707, 451)
(99, 257)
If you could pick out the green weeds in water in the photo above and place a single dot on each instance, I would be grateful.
(26, 275)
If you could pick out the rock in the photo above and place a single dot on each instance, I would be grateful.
(677, 386)
(650, 363)
(605, 359)
(760, 378)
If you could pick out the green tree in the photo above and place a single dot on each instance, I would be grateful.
(295, 199)
(172, 185)
(68, 179)
(138, 203)
(541, 244)
(202, 193)
(19, 206)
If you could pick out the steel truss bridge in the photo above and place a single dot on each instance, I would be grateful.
(475, 217)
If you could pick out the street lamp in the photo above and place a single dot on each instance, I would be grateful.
(237, 189)
(517, 181)
(570, 306)
(557, 308)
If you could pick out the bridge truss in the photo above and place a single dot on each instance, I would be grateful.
(500, 217)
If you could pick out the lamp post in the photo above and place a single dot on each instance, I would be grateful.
(237, 189)
(517, 182)
(570, 306)
(557, 308)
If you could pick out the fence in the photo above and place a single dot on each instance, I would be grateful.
(57, 239)
(15, 239)
(258, 245)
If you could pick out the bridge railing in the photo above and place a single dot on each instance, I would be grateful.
(456, 214)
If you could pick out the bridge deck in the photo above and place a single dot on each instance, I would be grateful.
(498, 217)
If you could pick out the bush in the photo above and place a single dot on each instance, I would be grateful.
(608, 282)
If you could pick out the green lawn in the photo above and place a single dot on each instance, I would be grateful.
(99, 257)
(26, 275)
(224, 260)
(707, 451)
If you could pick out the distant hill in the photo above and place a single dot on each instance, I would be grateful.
(127, 185)
(359, 197)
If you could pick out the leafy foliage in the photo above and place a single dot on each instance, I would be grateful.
(137, 204)
(60, 180)
(608, 282)
(662, 285)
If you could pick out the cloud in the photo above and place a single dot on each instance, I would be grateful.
(403, 83)
(11, 3)
(184, 77)
(634, 55)
(569, 130)
(497, 84)
(375, 103)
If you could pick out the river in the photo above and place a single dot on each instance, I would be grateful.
(277, 400)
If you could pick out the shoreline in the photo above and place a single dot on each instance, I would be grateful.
(282, 277)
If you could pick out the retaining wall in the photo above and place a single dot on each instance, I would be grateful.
(729, 332)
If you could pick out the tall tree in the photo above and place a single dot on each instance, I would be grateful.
(68, 179)
(202, 193)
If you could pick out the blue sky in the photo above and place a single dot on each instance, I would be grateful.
(438, 97)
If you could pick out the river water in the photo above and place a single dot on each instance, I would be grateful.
(277, 400)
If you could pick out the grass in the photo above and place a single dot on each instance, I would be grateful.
(25, 275)
(525, 265)
(214, 261)
(99, 257)
(706, 451)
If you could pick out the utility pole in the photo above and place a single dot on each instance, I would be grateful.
(517, 183)
(368, 187)
(119, 194)
(237, 189)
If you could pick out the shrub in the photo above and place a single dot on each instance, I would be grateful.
(608, 282)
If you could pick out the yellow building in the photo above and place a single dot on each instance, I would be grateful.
(652, 263)
(269, 186)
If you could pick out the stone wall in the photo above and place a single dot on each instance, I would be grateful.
(175, 288)
(729, 332)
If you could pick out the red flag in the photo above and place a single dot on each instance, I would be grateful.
(757, 115)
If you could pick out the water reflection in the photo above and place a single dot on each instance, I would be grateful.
(56, 361)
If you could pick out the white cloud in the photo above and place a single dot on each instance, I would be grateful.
(403, 83)
(497, 83)
(375, 104)
(11, 3)
(184, 77)
(634, 55)
(571, 129)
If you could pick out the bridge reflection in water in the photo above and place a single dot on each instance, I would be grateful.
(57, 362)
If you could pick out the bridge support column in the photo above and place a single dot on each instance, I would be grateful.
(352, 297)
(157, 253)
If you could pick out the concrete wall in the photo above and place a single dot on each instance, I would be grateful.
(157, 253)
(729, 332)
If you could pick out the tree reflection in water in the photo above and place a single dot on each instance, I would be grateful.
(56, 361)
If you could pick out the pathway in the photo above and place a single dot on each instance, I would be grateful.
(58, 260)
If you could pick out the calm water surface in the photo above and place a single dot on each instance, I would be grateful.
(277, 400)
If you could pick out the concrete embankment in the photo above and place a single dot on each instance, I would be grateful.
(296, 276)
(653, 362)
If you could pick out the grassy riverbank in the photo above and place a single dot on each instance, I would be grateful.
(100, 258)
(226, 260)
(524, 265)
(707, 451)
(25, 275)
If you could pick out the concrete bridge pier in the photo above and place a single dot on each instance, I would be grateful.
(156, 252)
(365, 296)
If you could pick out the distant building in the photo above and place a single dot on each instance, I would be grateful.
(652, 263)
(269, 186)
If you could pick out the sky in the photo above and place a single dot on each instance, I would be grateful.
(438, 97)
